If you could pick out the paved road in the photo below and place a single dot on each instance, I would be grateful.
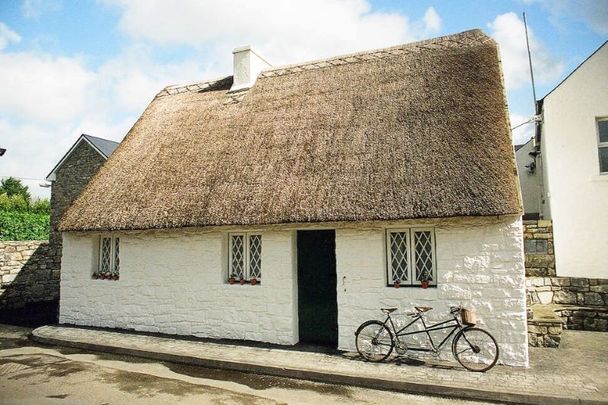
(33, 374)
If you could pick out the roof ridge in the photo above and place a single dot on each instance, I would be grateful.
(473, 36)
(196, 86)
(97, 137)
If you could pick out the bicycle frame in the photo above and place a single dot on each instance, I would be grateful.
(454, 324)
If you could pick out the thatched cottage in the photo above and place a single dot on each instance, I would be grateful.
(284, 204)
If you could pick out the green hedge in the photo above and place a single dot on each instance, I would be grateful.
(15, 225)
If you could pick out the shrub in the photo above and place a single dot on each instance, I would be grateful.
(16, 225)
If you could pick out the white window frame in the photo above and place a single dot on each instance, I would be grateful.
(113, 256)
(246, 254)
(411, 255)
(600, 145)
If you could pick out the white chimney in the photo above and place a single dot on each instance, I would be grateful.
(247, 66)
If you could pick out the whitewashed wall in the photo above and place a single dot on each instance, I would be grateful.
(575, 192)
(174, 282)
(479, 265)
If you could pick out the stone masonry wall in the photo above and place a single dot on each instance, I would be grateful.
(582, 303)
(538, 248)
(479, 265)
(175, 282)
(70, 180)
(29, 291)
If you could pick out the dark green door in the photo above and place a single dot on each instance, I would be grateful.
(317, 304)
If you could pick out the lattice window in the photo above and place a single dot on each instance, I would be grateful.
(398, 242)
(602, 134)
(106, 255)
(245, 261)
(423, 253)
(255, 256)
(410, 256)
(109, 258)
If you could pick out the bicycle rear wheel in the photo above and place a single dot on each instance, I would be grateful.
(374, 341)
(475, 349)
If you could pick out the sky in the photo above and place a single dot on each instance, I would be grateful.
(73, 67)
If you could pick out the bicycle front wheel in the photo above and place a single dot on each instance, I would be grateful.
(374, 341)
(475, 349)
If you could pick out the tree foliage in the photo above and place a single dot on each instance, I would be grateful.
(21, 218)
(11, 186)
(15, 225)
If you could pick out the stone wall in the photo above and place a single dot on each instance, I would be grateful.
(70, 180)
(580, 303)
(174, 282)
(538, 248)
(479, 265)
(29, 292)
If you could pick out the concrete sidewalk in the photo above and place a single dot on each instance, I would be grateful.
(575, 373)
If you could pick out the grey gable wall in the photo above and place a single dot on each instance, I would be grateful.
(71, 178)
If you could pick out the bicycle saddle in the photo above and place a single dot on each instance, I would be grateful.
(388, 310)
(423, 309)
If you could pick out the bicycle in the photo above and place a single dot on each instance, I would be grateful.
(474, 348)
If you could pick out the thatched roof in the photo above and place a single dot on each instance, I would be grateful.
(414, 131)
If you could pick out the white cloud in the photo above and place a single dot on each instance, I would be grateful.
(523, 133)
(593, 13)
(432, 20)
(284, 31)
(508, 30)
(42, 88)
(7, 36)
(33, 9)
(48, 101)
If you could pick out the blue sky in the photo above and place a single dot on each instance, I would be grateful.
(72, 67)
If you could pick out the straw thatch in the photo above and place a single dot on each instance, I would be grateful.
(419, 130)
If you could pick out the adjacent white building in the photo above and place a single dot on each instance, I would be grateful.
(293, 205)
(573, 145)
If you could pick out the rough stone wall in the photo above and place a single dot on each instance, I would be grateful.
(30, 282)
(70, 179)
(175, 282)
(479, 265)
(582, 303)
(540, 259)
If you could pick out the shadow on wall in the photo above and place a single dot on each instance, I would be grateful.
(29, 294)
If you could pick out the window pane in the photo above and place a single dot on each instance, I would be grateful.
(603, 130)
(603, 160)
(255, 256)
(399, 256)
(529, 246)
(423, 244)
(106, 250)
(237, 261)
(116, 255)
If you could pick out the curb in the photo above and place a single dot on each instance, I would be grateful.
(323, 377)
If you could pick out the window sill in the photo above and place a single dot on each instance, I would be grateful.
(599, 177)
(410, 286)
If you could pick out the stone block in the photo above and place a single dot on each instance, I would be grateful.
(564, 297)
(593, 298)
(560, 281)
(579, 284)
(8, 278)
(603, 288)
(551, 341)
(545, 297)
(544, 223)
(543, 235)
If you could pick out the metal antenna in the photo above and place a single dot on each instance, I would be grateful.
(530, 62)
